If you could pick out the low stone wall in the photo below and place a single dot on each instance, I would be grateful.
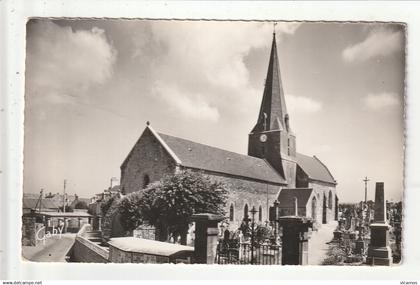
(30, 230)
(85, 250)
(138, 250)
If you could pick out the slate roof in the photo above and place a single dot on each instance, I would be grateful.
(314, 168)
(30, 203)
(201, 156)
(286, 197)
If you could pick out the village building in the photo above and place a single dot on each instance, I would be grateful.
(272, 170)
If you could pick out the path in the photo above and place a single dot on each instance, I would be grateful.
(54, 250)
(318, 246)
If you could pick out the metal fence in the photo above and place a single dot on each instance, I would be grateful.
(245, 253)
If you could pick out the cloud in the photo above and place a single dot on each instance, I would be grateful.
(207, 58)
(188, 105)
(287, 27)
(379, 42)
(301, 104)
(381, 100)
(61, 60)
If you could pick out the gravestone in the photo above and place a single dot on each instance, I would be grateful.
(379, 251)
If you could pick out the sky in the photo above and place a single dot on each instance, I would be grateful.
(91, 86)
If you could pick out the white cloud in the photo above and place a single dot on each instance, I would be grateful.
(379, 42)
(301, 104)
(188, 105)
(65, 61)
(208, 58)
(381, 100)
(287, 27)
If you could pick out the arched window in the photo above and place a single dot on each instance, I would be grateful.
(314, 209)
(330, 200)
(146, 180)
(246, 212)
(231, 213)
(260, 214)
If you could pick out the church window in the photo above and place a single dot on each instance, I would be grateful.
(260, 214)
(146, 180)
(330, 200)
(246, 212)
(231, 213)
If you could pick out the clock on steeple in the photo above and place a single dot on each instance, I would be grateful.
(272, 138)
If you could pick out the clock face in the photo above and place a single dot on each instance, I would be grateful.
(263, 138)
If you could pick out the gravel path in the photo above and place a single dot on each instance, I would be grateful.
(318, 246)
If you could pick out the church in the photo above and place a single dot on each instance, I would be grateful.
(272, 171)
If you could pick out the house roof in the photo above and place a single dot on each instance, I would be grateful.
(286, 197)
(31, 203)
(314, 168)
(201, 156)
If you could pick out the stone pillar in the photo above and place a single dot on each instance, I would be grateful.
(295, 240)
(65, 225)
(206, 233)
(379, 251)
(99, 223)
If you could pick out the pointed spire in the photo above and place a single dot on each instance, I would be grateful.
(273, 110)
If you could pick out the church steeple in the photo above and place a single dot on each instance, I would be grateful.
(273, 112)
(271, 138)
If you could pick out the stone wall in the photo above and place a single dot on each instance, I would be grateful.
(252, 193)
(31, 230)
(118, 256)
(148, 157)
(85, 250)
(321, 189)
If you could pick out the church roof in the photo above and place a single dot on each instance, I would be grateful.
(273, 106)
(286, 197)
(200, 156)
(314, 168)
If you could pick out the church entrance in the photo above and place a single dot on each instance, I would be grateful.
(313, 208)
(324, 210)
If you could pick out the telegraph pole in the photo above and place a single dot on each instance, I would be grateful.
(366, 181)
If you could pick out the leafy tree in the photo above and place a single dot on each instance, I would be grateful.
(81, 205)
(169, 204)
(68, 209)
(129, 208)
(106, 204)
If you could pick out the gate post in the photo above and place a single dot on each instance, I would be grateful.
(206, 232)
(295, 240)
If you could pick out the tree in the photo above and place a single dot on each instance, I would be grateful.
(81, 205)
(169, 204)
(129, 209)
(67, 209)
